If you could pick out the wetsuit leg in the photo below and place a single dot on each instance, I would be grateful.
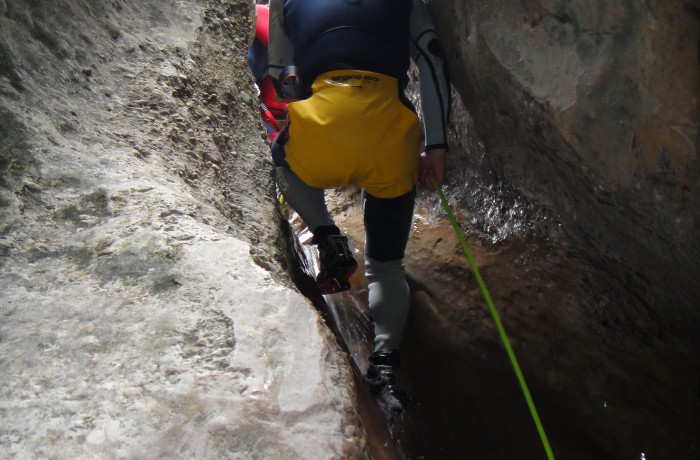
(389, 299)
(307, 201)
(387, 227)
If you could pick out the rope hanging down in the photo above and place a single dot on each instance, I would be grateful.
(497, 320)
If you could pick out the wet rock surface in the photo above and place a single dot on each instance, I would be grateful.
(147, 308)
(591, 112)
(600, 391)
(577, 187)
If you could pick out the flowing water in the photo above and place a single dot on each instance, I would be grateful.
(603, 388)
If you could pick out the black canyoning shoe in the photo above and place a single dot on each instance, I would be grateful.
(337, 262)
(381, 379)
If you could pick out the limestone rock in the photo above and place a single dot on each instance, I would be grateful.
(145, 302)
(591, 111)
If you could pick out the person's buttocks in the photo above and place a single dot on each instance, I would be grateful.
(325, 150)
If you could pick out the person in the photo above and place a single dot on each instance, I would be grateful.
(272, 111)
(343, 66)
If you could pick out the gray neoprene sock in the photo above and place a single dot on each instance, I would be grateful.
(307, 201)
(389, 301)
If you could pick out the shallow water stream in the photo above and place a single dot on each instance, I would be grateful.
(603, 388)
(601, 393)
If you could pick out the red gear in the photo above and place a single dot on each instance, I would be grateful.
(275, 109)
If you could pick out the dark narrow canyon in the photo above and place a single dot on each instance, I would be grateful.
(147, 270)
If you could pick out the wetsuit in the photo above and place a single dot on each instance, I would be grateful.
(357, 128)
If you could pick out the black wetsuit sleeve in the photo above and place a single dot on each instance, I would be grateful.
(428, 56)
(280, 51)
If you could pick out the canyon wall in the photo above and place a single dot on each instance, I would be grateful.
(590, 110)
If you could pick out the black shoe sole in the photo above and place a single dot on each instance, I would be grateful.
(337, 283)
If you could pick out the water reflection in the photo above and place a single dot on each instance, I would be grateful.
(495, 211)
(565, 324)
(349, 317)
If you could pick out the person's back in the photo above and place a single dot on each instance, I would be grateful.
(344, 64)
(360, 35)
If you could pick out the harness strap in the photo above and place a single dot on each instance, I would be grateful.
(267, 115)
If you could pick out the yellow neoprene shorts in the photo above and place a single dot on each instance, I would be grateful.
(354, 130)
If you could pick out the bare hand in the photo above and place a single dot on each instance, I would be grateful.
(432, 166)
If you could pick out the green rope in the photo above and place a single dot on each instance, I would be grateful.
(497, 320)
